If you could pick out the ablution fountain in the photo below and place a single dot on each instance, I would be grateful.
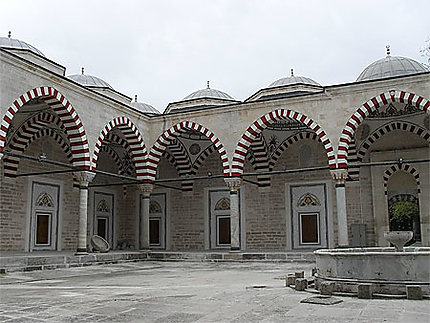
(386, 270)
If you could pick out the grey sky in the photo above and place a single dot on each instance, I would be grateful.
(163, 50)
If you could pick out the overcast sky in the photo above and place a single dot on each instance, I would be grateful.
(163, 50)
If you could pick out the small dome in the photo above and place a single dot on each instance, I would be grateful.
(391, 66)
(89, 80)
(290, 80)
(208, 93)
(144, 107)
(8, 42)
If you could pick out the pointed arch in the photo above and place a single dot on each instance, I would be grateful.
(288, 142)
(28, 132)
(387, 128)
(166, 138)
(69, 117)
(373, 104)
(134, 140)
(260, 124)
(201, 158)
(402, 167)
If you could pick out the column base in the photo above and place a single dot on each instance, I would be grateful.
(234, 249)
(81, 252)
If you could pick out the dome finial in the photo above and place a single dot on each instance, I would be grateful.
(292, 72)
(82, 71)
(207, 85)
(135, 98)
(9, 34)
(388, 49)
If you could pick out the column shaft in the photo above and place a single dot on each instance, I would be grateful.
(341, 215)
(234, 221)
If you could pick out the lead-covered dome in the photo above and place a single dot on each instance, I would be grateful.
(143, 107)
(9, 42)
(291, 80)
(208, 93)
(390, 66)
(202, 99)
(89, 80)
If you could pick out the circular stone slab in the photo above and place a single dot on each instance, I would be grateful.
(99, 244)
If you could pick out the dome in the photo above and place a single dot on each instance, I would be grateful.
(208, 93)
(89, 80)
(8, 42)
(291, 80)
(391, 66)
(143, 107)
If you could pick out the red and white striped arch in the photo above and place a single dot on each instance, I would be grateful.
(403, 167)
(24, 135)
(368, 107)
(387, 128)
(67, 114)
(260, 124)
(133, 138)
(201, 158)
(166, 138)
(288, 142)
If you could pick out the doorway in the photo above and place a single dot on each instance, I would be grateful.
(104, 216)
(44, 216)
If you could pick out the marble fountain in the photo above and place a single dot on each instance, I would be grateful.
(383, 270)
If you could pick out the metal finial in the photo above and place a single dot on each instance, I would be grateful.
(135, 98)
(292, 72)
(388, 50)
(208, 85)
(82, 71)
(9, 34)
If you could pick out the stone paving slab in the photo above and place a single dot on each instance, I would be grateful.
(183, 292)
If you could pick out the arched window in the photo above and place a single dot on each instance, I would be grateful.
(45, 200)
(308, 199)
(223, 204)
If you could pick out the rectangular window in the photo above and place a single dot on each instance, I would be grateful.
(154, 231)
(309, 228)
(42, 228)
(223, 230)
(102, 227)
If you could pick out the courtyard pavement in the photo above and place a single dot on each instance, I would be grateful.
(183, 292)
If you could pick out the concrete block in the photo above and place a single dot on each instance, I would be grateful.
(364, 291)
(301, 284)
(326, 288)
(300, 274)
(414, 292)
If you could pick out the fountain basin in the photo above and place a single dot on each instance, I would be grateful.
(388, 270)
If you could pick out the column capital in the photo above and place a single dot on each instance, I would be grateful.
(233, 183)
(339, 175)
(146, 189)
(84, 177)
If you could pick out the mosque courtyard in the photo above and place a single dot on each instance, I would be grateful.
(184, 292)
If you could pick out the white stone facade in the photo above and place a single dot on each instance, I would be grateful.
(185, 154)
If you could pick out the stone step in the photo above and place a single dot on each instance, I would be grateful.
(33, 261)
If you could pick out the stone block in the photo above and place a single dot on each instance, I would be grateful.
(326, 288)
(301, 284)
(414, 292)
(364, 291)
(300, 274)
(290, 280)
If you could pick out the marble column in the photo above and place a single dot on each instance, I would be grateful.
(146, 190)
(84, 179)
(340, 175)
(233, 184)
